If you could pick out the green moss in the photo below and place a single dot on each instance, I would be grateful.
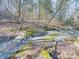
(26, 46)
(49, 37)
(54, 34)
(29, 31)
(23, 49)
(46, 28)
(7, 30)
(30, 43)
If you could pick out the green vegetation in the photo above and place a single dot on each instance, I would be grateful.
(7, 30)
(29, 31)
(47, 28)
(49, 38)
(23, 49)
(45, 54)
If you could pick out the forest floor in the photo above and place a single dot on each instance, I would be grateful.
(56, 43)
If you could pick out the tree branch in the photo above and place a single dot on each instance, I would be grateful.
(56, 11)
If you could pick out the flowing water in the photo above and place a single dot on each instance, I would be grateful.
(9, 45)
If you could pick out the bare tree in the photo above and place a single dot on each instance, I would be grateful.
(19, 8)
